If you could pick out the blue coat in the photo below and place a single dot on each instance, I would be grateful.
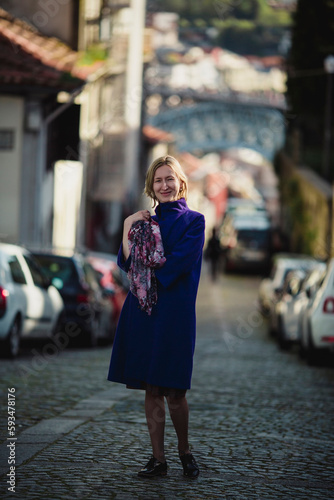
(158, 349)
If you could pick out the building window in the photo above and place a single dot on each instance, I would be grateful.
(6, 140)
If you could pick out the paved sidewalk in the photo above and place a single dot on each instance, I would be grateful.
(261, 420)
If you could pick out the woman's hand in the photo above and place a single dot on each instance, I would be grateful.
(141, 215)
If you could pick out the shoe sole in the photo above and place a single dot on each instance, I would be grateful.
(191, 477)
(150, 476)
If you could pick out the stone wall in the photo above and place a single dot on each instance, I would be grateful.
(306, 209)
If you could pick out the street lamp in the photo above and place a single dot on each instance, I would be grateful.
(329, 68)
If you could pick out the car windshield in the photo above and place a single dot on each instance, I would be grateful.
(279, 272)
(251, 236)
(59, 269)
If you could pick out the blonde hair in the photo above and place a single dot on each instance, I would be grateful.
(177, 169)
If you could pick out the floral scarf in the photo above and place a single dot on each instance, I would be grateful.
(147, 253)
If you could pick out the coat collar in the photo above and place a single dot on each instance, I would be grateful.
(171, 207)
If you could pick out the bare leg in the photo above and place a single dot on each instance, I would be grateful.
(179, 412)
(155, 417)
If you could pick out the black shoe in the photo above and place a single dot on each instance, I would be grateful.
(190, 467)
(153, 468)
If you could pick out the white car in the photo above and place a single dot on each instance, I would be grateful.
(295, 297)
(317, 333)
(29, 305)
(271, 287)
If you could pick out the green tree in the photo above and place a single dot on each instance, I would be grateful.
(248, 9)
(244, 26)
(209, 10)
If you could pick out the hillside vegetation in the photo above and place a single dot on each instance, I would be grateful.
(243, 26)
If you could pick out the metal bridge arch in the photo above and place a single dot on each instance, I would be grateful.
(213, 126)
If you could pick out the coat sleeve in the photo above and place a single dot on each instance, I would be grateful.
(121, 262)
(185, 254)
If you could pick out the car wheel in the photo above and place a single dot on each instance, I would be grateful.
(264, 310)
(108, 328)
(312, 353)
(13, 340)
(282, 342)
(272, 330)
(302, 351)
(92, 335)
(59, 323)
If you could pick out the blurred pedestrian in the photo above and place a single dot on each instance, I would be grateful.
(213, 252)
(153, 348)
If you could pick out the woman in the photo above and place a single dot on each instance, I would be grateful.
(155, 352)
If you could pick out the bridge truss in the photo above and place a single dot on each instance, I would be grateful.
(216, 126)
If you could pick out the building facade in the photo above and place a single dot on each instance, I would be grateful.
(75, 160)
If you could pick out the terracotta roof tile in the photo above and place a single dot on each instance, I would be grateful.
(27, 57)
(155, 135)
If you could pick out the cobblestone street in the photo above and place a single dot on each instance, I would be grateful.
(261, 420)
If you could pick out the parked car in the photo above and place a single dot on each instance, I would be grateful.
(294, 299)
(284, 320)
(113, 280)
(270, 288)
(244, 205)
(86, 304)
(317, 332)
(246, 242)
(29, 305)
